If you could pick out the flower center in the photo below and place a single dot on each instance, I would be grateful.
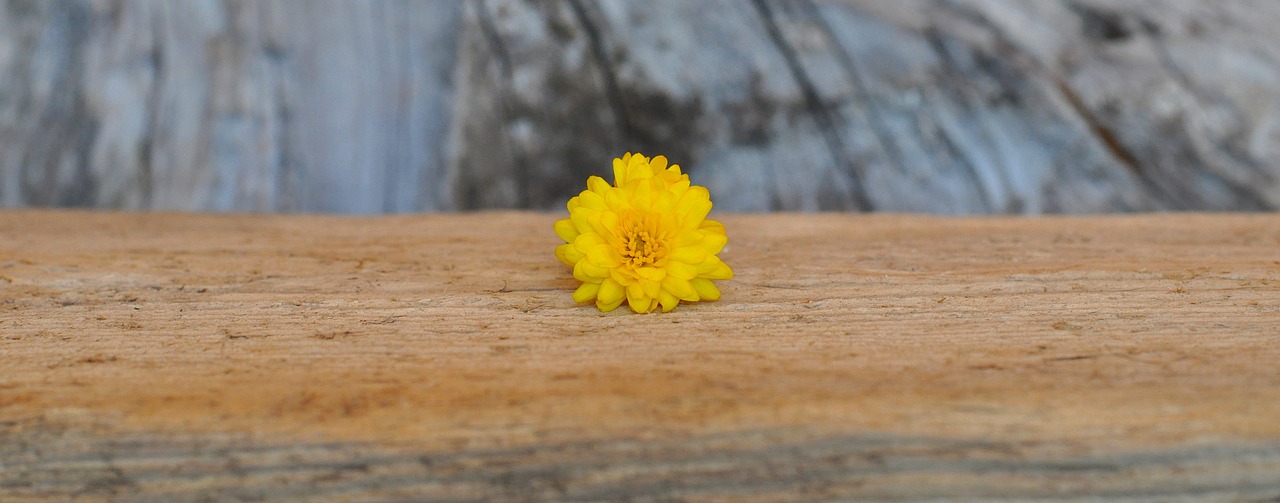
(642, 243)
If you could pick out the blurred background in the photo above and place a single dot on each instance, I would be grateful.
(384, 106)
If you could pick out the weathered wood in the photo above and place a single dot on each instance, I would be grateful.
(943, 106)
(168, 357)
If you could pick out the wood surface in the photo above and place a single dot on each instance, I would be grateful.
(180, 357)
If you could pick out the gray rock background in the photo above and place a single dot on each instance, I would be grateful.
(939, 106)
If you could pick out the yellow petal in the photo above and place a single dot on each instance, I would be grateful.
(579, 217)
(712, 263)
(619, 274)
(638, 168)
(706, 289)
(712, 226)
(637, 300)
(620, 170)
(603, 255)
(586, 241)
(689, 254)
(610, 292)
(643, 195)
(616, 200)
(591, 199)
(681, 270)
(721, 271)
(605, 307)
(568, 254)
(690, 238)
(585, 272)
(667, 301)
(693, 198)
(651, 273)
(596, 219)
(679, 288)
(658, 163)
(586, 292)
(713, 243)
(651, 288)
(609, 220)
(565, 229)
(597, 185)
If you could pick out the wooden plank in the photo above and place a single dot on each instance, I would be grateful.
(172, 357)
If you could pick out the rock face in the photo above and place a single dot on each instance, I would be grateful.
(941, 106)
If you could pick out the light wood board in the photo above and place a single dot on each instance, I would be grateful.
(174, 357)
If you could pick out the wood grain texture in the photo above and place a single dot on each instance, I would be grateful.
(175, 357)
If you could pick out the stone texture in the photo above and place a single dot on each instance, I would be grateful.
(941, 106)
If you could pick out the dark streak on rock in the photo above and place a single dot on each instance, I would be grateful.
(601, 55)
(519, 165)
(880, 127)
(1100, 131)
(953, 147)
(65, 119)
(819, 111)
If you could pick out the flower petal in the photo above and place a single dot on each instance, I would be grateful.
(597, 185)
(651, 288)
(680, 183)
(651, 273)
(681, 270)
(605, 307)
(713, 243)
(591, 200)
(638, 168)
(620, 275)
(620, 169)
(585, 272)
(586, 292)
(565, 229)
(637, 300)
(603, 255)
(692, 238)
(680, 288)
(643, 195)
(694, 205)
(689, 254)
(568, 254)
(721, 271)
(713, 268)
(712, 226)
(706, 289)
(610, 292)
(667, 301)
(658, 163)
(579, 219)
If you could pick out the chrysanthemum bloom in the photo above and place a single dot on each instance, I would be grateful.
(645, 239)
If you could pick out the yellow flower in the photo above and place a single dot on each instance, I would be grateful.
(645, 239)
